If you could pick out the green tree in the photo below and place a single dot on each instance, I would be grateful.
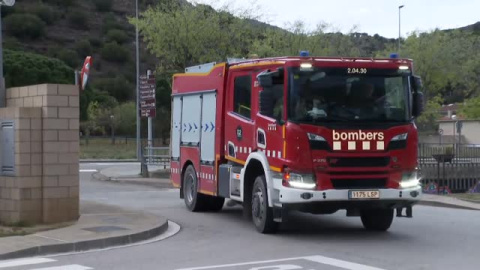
(471, 110)
(427, 122)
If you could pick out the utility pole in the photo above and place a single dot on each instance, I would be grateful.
(139, 143)
(399, 25)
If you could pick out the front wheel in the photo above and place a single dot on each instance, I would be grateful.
(377, 219)
(262, 214)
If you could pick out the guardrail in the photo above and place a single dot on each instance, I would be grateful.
(156, 156)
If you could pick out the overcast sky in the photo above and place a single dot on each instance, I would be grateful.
(370, 16)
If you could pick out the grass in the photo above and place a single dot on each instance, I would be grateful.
(102, 148)
(474, 197)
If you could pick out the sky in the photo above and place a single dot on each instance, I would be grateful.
(369, 16)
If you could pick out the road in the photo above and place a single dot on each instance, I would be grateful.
(436, 238)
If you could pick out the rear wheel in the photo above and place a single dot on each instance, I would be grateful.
(193, 200)
(377, 219)
(262, 214)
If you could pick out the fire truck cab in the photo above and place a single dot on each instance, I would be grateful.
(312, 134)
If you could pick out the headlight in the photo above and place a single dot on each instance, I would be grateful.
(400, 137)
(315, 137)
(410, 179)
(297, 180)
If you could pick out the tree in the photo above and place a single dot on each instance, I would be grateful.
(186, 35)
(428, 120)
(471, 110)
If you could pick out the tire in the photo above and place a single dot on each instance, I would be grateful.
(262, 215)
(377, 219)
(215, 204)
(194, 201)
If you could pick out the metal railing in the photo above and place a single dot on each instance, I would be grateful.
(159, 156)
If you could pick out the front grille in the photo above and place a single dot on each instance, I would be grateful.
(358, 161)
(359, 183)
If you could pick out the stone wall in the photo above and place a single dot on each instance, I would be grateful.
(45, 185)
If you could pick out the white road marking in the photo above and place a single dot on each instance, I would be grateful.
(65, 267)
(22, 262)
(88, 170)
(318, 259)
(340, 263)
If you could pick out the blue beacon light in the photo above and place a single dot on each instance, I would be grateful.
(394, 55)
(304, 53)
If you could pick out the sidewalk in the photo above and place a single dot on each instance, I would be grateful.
(446, 201)
(130, 174)
(99, 226)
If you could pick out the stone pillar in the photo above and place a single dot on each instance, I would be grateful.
(45, 184)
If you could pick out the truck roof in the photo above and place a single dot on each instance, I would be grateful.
(286, 59)
(244, 63)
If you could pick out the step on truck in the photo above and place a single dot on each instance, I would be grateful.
(310, 134)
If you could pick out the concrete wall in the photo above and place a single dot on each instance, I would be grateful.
(470, 130)
(45, 185)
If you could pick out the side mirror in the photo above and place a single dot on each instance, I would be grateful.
(417, 96)
(269, 78)
(265, 79)
(418, 104)
(417, 84)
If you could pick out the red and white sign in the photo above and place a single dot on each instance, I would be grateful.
(85, 72)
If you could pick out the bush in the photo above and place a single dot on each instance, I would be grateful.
(25, 26)
(45, 13)
(103, 5)
(83, 48)
(64, 3)
(117, 35)
(114, 52)
(70, 57)
(110, 23)
(96, 42)
(22, 68)
(117, 87)
(78, 19)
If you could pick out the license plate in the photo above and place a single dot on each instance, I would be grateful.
(364, 194)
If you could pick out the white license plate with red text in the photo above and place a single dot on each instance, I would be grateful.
(364, 194)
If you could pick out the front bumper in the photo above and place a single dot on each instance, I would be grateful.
(390, 197)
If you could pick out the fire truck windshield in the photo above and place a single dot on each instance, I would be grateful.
(348, 94)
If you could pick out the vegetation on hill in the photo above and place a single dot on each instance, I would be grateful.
(59, 34)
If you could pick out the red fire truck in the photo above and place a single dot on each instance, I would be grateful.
(312, 134)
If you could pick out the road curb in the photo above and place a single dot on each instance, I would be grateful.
(108, 160)
(446, 205)
(101, 177)
(87, 244)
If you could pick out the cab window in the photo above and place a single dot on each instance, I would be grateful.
(242, 96)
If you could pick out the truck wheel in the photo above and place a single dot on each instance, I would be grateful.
(377, 219)
(194, 201)
(215, 204)
(262, 215)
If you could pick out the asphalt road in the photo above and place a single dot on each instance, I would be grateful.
(436, 238)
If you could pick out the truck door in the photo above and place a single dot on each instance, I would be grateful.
(269, 129)
(239, 126)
